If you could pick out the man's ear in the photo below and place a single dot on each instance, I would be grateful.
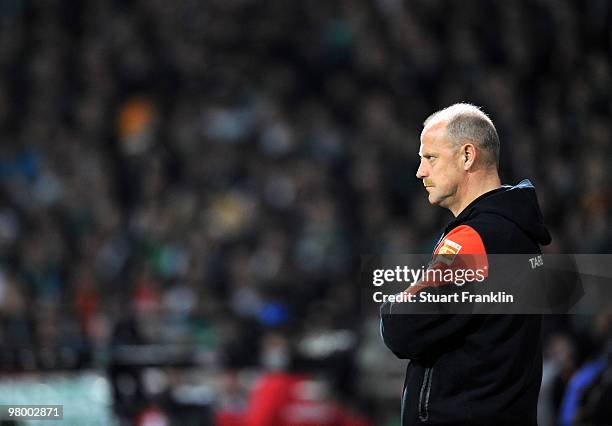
(468, 155)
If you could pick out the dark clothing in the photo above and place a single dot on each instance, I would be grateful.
(475, 369)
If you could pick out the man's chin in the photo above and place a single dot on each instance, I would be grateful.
(437, 201)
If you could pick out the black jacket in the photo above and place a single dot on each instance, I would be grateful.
(476, 369)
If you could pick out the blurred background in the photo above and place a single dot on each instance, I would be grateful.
(186, 188)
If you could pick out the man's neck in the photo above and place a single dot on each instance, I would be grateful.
(475, 187)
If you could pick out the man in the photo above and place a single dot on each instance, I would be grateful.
(470, 369)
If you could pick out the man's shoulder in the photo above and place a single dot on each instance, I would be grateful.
(500, 234)
(462, 238)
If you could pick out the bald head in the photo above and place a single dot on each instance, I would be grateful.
(467, 123)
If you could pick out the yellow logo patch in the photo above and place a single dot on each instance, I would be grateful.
(448, 251)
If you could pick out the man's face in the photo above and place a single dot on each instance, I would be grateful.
(440, 168)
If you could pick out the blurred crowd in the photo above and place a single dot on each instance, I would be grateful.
(207, 174)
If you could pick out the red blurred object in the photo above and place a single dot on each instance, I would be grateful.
(281, 399)
(152, 416)
(225, 418)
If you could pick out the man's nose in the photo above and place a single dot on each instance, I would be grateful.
(421, 172)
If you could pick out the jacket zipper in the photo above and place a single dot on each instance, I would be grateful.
(403, 407)
(424, 395)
